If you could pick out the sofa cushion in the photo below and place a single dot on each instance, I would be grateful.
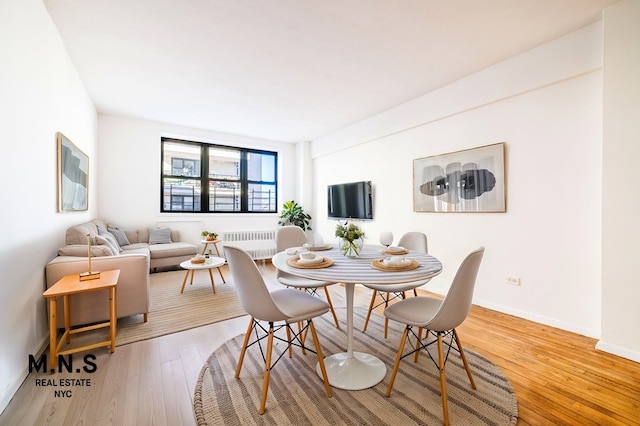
(160, 236)
(142, 248)
(78, 234)
(136, 246)
(120, 236)
(160, 251)
(80, 250)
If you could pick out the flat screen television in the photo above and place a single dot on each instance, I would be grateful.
(352, 200)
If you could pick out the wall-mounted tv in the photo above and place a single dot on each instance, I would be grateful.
(352, 200)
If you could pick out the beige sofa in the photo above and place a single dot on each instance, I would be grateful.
(143, 253)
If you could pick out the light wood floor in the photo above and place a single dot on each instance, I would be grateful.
(559, 378)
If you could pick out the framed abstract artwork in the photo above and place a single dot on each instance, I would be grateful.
(73, 176)
(472, 180)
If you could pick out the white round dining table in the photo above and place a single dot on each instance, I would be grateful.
(352, 370)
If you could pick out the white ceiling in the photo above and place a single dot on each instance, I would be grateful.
(293, 70)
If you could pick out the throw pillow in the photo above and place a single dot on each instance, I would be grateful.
(109, 236)
(102, 240)
(160, 236)
(121, 237)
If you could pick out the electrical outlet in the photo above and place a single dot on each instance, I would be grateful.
(512, 280)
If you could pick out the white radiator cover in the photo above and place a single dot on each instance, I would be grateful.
(260, 244)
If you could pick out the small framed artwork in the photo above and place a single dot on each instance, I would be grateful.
(472, 180)
(73, 176)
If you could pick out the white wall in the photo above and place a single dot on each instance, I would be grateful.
(621, 197)
(546, 105)
(129, 184)
(41, 94)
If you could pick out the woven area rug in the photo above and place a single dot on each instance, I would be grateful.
(297, 395)
(171, 312)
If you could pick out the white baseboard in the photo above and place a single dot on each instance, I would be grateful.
(594, 334)
(619, 351)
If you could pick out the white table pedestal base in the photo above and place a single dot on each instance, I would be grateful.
(361, 371)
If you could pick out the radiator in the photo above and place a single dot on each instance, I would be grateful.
(259, 244)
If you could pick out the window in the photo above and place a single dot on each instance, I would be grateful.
(204, 178)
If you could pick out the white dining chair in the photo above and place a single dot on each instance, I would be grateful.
(416, 241)
(282, 307)
(439, 317)
(293, 236)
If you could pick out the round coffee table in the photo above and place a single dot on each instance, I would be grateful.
(214, 262)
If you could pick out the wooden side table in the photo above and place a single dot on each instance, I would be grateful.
(207, 242)
(67, 286)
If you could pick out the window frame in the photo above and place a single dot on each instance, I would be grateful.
(205, 179)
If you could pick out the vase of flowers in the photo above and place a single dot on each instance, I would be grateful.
(351, 239)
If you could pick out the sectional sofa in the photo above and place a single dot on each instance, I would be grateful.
(135, 252)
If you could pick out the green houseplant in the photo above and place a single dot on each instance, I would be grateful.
(209, 236)
(293, 214)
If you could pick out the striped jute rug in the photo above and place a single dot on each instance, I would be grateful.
(297, 395)
(171, 312)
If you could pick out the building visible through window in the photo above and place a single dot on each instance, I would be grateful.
(206, 178)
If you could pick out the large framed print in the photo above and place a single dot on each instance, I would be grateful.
(73, 176)
(472, 180)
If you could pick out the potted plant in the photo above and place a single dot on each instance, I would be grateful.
(209, 236)
(293, 214)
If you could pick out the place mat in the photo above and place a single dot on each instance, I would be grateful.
(378, 264)
(293, 262)
(320, 248)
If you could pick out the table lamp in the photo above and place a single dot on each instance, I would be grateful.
(89, 275)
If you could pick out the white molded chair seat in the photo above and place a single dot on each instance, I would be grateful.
(416, 241)
(293, 236)
(286, 306)
(297, 306)
(439, 317)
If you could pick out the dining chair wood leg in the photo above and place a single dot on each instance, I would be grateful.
(373, 300)
(403, 340)
(247, 335)
(386, 320)
(267, 371)
(464, 359)
(443, 381)
(333, 312)
(323, 370)
(302, 336)
(289, 348)
(418, 344)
